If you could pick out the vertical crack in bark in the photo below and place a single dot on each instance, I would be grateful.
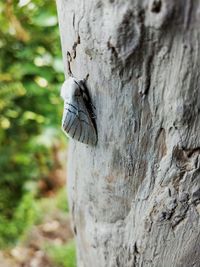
(147, 74)
(72, 55)
(69, 60)
(76, 43)
(188, 15)
(73, 20)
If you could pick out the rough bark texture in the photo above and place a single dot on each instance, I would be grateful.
(135, 196)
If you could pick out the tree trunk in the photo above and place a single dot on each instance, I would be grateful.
(135, 197)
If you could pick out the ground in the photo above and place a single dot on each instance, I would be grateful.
(49, 243)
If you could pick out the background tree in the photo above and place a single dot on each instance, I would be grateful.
(135, 196)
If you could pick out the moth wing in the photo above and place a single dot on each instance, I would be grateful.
(77, 122)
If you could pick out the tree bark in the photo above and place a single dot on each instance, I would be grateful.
(135, 197)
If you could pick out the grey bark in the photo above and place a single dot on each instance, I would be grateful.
(135, 197)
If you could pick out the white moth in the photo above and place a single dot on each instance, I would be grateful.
(78, 120)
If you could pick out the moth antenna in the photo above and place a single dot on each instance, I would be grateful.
(86, 78)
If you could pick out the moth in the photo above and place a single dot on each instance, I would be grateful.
(78, 120)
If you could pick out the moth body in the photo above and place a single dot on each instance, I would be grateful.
(78, 116)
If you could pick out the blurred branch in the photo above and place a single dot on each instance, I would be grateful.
(21, 33)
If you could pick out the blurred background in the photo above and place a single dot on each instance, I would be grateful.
(34, 221)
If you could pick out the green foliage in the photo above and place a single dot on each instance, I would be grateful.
(23, 218)
(50, 205)
(63, 255)
(30, 78)
(61, 201)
